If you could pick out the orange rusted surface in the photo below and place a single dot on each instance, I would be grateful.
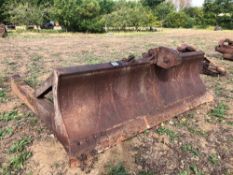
(226, 48)
(208, 67)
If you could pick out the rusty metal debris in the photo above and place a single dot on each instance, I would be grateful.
(3, 31)
(98, 106)
(226, 48)
(208, 67)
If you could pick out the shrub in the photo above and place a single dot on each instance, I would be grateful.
(79, 15)
(225, 21)
(163, 9)
(197, 14)
(92, 25)
(189, 23)
(178, 19)
(118, 169)
(136, 17)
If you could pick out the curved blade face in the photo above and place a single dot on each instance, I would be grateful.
(100, 108)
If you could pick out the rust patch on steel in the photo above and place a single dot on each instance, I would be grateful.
(97, 106)
(212, 69)
(226, 48)
(44, 88)
(41, 107)
(208, 67)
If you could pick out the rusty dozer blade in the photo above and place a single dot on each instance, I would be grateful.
(226, 48)
(97, 106)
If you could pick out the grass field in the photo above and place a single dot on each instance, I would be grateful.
(197, 142)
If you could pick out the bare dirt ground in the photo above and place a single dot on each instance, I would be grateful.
(197, 142)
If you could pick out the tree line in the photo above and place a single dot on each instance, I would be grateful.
(99, 15)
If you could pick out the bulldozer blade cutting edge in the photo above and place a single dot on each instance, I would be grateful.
(97, 106)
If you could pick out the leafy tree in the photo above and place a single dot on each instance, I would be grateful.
(219, 12)
(136, 16)
(196, 13)
(106, 6)
(26, 12)
(125, 4)
(2, 15)
(225, 16)
(210, 11)
(163, 9)
(39, 2)
(139, 16)
(47, 9)
(65, 11)
(178, 19)
(118, 19)
(151, 3)
(78, 15)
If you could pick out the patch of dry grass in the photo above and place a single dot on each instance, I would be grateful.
(199, 145)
